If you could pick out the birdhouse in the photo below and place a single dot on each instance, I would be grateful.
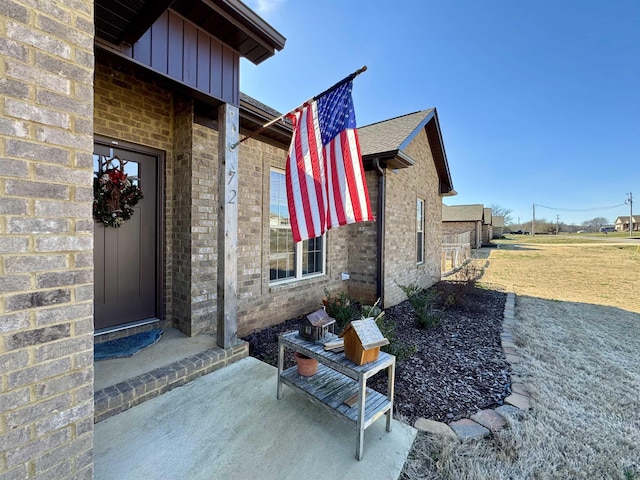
(362, 341)
(316, 325)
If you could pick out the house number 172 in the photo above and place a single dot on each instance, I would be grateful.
(232, 193)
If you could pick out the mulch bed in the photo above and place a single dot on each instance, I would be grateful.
(457, 369)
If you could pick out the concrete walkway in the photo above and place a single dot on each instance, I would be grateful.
(229, 425)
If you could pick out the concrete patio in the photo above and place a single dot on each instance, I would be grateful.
(228, 424)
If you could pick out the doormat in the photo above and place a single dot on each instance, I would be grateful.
(126, 346)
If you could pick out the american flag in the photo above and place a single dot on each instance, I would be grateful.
(325, 180)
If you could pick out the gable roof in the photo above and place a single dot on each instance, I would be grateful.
(625, 219)
(488, 214)
(387, 141)
(462, 213)
(498, 221)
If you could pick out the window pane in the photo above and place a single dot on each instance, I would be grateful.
(312, 256)
(282, 258)
(420, 231)
(281, 254)
(420, 248)
(279, 213)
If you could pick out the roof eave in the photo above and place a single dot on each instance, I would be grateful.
(432, 128)
(393, 159)
(252, 24)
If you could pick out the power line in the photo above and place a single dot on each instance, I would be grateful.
(580, 209)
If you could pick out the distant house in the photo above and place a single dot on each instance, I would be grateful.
(498, 225)
(464, 218)
(622, 223)
(487, 226)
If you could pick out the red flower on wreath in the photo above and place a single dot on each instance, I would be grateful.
(114, 194)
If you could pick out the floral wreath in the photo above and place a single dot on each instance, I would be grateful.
(114, 196)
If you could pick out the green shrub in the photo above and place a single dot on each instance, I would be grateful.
(341, 308)
(396, 347)
(423, 302)
(370, 311)
(461, 284)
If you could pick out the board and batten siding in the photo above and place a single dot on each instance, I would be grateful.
(184, 52)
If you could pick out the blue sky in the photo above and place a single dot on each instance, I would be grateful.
(538, 101)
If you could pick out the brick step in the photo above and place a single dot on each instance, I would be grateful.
(112, 400)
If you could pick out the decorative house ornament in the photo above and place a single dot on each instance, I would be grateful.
(362, 341)
(316, 326)
(114, 196)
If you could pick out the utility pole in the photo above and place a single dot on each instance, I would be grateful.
(533, 221)
(630, 202)
(557, 224)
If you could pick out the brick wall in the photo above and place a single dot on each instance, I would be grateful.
(204, 229)
(487, 234)
(452, 228)
(46, 227)
(402, 191)
(180, 204)
(363, 251)
(166, 122)
(262, 304)
(129, 106)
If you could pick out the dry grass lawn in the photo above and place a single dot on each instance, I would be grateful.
(596, 273)
(578, 332)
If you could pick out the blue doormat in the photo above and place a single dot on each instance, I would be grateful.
(126, 346)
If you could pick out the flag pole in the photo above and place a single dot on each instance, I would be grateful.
(277, 119)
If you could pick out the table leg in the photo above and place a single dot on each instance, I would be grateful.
(280, 367)
(390, 392)
(362, 396)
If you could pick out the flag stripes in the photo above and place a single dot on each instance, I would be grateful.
(325, 181)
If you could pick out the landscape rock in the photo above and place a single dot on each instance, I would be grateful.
(508, 411)
(490, 419)
(467, 429)
(437, 428)
(522, 402)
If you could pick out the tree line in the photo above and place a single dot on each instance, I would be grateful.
(545, 226)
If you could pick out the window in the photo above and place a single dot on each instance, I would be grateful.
(289, 260)
(420, 232)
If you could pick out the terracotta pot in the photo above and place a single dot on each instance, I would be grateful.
(306, 366)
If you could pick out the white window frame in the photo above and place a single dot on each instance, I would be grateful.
(420, 204)
(298, 253)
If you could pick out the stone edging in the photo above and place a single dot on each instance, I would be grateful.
(485, 422)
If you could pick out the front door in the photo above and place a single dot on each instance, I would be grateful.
(125, 258)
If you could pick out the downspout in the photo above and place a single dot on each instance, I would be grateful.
(380, 235)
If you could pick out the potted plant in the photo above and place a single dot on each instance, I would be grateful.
(307, 366)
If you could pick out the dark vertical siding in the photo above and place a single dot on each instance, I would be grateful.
(215, 70)
(142, 49)
(176, 46)
(228, 58)
(159, 58)
(190, 57)
(204, 61)
(182, 51)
